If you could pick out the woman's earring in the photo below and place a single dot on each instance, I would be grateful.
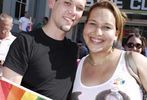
(115, 42)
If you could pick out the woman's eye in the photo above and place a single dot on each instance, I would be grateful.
(67, 3)
(107, 27)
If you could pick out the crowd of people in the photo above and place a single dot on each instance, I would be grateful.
(45, 60)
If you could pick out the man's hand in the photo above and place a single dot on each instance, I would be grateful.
(1, 63)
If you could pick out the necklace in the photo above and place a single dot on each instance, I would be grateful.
(89, 60)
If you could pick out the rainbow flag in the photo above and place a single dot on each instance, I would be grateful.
(11, 91)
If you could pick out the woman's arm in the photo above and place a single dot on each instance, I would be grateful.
(141, 62)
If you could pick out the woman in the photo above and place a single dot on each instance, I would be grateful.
(135, 42)
(104, 69)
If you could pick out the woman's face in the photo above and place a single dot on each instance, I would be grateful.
(100, 30)
(134, 44)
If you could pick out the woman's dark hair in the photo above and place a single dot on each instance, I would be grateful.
(136, 34)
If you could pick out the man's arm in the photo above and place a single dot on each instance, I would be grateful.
(20, 26)
(11, 75)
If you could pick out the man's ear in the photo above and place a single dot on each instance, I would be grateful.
(51, 3)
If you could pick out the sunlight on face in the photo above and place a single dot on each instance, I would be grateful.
(100, 30)
(67, 13)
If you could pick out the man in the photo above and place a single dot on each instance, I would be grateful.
(45, 60)
(6, 37)
(82, 49)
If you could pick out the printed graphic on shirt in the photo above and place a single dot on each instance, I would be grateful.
(105, 95)
(114, 93)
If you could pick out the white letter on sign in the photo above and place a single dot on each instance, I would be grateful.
(132, 6)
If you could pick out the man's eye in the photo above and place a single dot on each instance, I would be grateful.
(94, 24)
(80, 8)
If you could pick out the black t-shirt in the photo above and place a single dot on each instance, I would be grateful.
(48, 66)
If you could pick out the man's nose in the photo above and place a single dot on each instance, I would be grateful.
(72, 10)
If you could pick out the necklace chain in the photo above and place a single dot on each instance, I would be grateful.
(90, 61)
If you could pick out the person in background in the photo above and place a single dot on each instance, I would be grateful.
(145, 48)
(40, 25)
(45, 60)
(45, 20)
(82, 50)
(6, 37)
(25, 23)
(104, 70)
(135, 42)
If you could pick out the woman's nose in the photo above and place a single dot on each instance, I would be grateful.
(99, 31)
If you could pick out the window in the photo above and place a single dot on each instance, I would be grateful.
(1, 5)
(20, 9)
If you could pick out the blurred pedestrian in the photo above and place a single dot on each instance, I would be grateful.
(6, 37)
(25, 23)
(135, 42)
(41, 24)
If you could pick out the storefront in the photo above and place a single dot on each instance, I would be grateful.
(136, 11)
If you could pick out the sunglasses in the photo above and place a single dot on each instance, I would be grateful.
(132, 45)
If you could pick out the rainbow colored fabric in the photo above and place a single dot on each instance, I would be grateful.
(9, 91)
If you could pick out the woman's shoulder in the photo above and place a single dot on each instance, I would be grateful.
(139, 59)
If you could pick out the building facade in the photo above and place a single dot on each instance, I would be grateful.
(16, 8)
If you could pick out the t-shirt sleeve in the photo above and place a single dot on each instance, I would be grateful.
(18, 55)
(21, 20)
